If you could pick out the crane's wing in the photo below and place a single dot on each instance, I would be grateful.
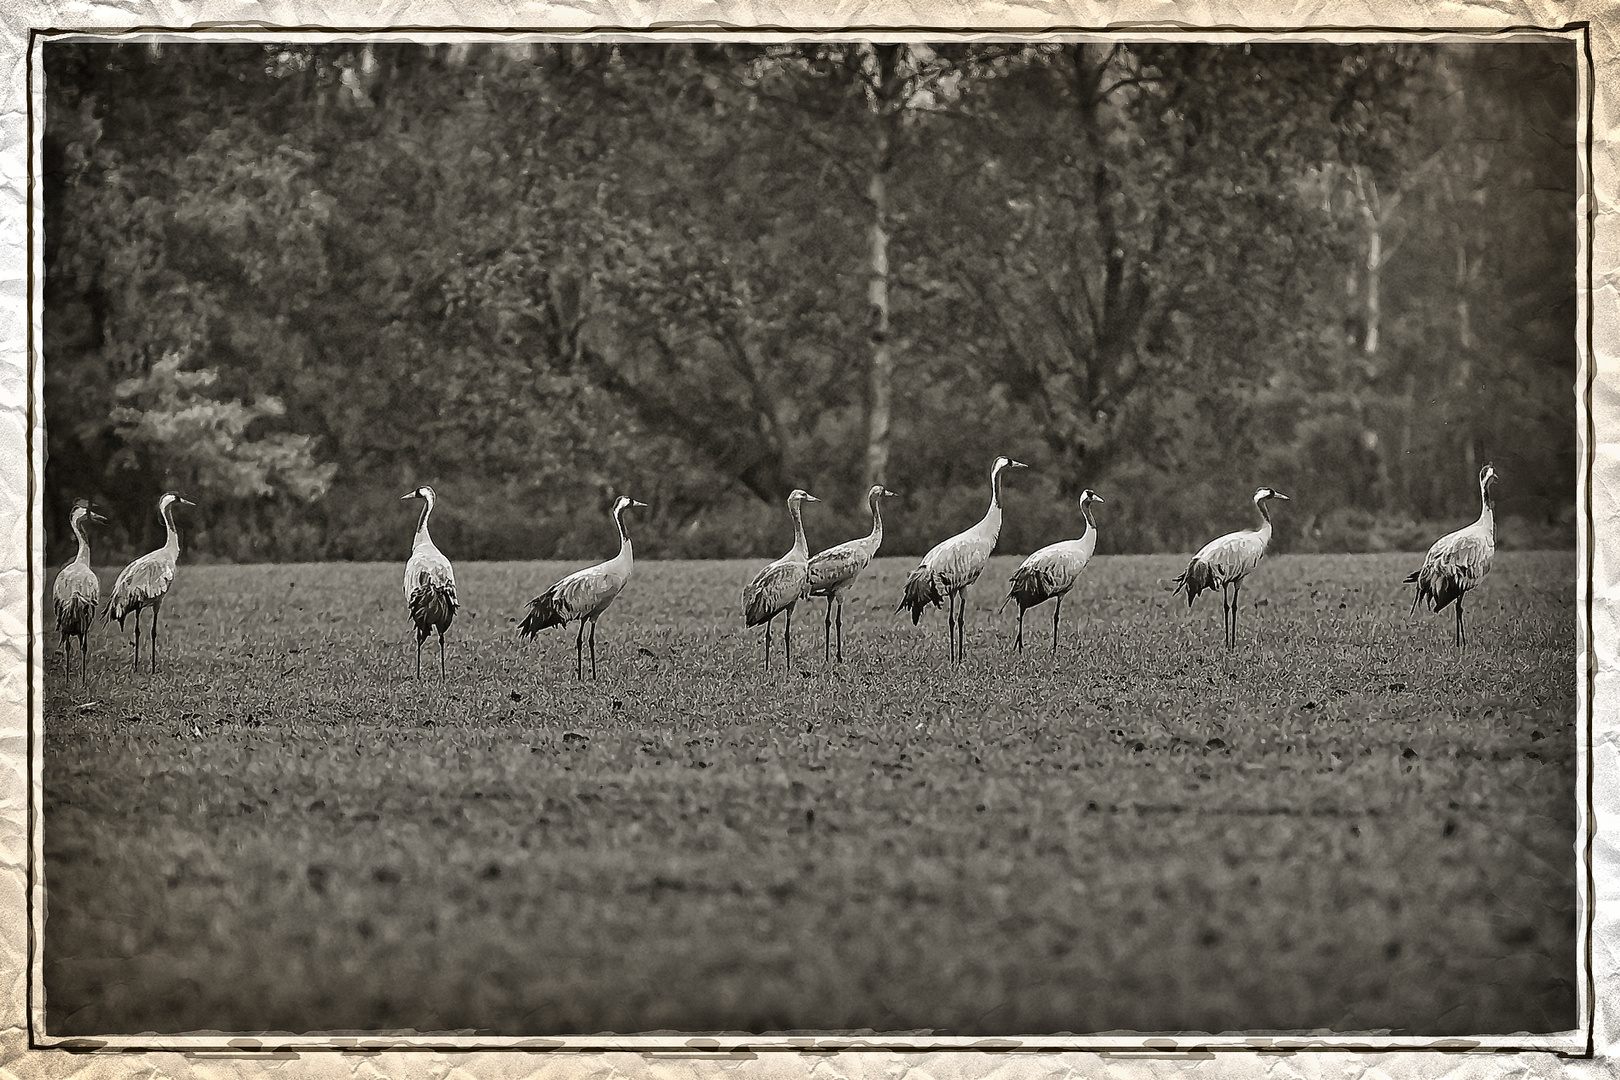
(77, 584)
(774, 588)
(958, 562)
(1456, 563)
(75, 596)
(588, 591)
(836, 565)
(1232, 555)
(1047, 573)
(429, 561)
(430, 589)
(138, 584)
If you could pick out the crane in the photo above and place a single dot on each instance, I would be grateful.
(143, 583)
(1052, 571)
(584, 594)
(954, 564)
(1459, 561)
(833, 571)
(77, 592)
(782, 584)
(430, 583)
(1225, 561)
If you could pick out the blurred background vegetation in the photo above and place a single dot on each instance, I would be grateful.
(296, 281)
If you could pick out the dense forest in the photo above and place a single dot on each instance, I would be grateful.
(297, 280)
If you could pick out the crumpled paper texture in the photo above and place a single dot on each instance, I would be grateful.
(22, 465)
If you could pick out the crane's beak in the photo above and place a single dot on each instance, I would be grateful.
(184, 501)
(640, 504)
(1097, 498)
(1280, 495)
(810, 498)
(890, 494)
(1016, 465)
(97, 518)
(408, 495)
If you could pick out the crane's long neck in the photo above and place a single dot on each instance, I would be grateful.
(422, 536)
(625, 554)
(991, 522)
(1089, 537)
(84, 541)
(801, 548)
(1487, 507)
(172, 544)
(1265, 520)
(876, 535)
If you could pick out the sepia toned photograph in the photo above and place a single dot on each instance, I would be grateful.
(1048, 536)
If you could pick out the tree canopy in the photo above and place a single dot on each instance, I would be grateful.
(297, 280)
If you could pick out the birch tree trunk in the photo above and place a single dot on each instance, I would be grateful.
(880, 389)
(885, 101)
(1372, 217)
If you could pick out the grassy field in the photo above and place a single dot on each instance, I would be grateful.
(1345, 823)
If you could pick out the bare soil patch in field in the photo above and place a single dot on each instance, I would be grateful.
(1345, 823)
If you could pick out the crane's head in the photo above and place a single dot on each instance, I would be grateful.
(799, 495)
(1262, 494)
(1487, 475)
(625, 502)
(423, 492)
(1005, 462)
(169, 498)
(879, 492)
(1087, 497)
(82, 512)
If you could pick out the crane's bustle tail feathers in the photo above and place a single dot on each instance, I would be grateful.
(1029, 587)
(755, 608)
(920, 591)
(432, 608)
(1435, 587)
(1414, 578)
(543, 614)
(1195, 579)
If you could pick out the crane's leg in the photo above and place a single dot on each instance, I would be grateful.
(826, 633)
(441, 653)
(137, 668)
(768, 623)
(961, 611)
(1231, 633)
(156, 604)
(840, 629)
(961, 625)
(579, 652)
(593, 650)
(787, 638)
(1018, 641)
(1462, 639)
(420, 637)
(1055, 615)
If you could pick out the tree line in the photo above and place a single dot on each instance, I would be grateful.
(297, 281)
